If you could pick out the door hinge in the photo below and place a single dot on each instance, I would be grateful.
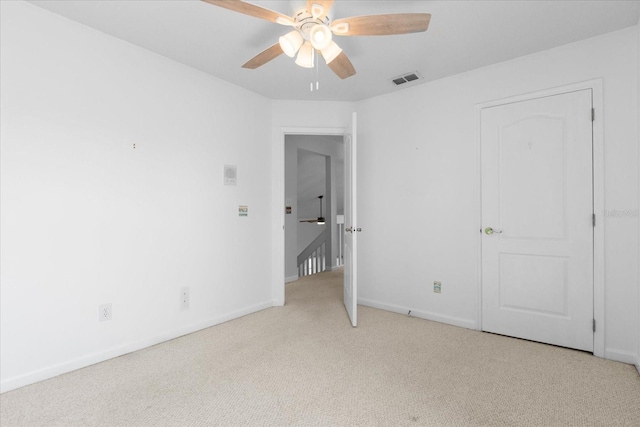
(594, 325)
(593, 114)
(594, 220)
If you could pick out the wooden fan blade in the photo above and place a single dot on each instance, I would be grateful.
(382, 25)
(326, 5)
(342, 66)
(309, 220)
(263, 57)
(250, 9)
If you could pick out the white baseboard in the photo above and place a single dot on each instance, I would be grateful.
(291, 279)
(101, 356)
(449, 320)
(610, 353)
(621, 356)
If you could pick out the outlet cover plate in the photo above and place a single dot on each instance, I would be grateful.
(184, 298)
(104, 312)
(437, 287)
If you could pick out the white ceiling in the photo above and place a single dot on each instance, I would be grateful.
(463, 35)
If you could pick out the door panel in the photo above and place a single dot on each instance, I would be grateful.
(532, 196)
(534, 283)
(351, 238)
(537, 196)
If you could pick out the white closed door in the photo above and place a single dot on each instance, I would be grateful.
(537, 219)
(350, 223)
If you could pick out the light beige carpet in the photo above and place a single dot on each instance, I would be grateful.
(303, 364)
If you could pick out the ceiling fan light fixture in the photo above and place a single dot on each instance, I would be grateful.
(331, 52)
(305, 56)
(291, 42)
(316, 14)
(320, 36)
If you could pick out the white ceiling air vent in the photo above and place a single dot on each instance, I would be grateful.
(406, 78)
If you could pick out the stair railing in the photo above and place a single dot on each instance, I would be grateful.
(312, 259)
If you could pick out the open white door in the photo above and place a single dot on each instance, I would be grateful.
(350, 222)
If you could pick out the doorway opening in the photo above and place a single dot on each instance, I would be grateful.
(313, 188)
(348, 136)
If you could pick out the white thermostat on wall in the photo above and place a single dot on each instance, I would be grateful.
(230, 174)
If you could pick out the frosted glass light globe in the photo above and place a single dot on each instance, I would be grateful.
(320, 36)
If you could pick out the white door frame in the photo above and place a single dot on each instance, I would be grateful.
(278, 198)
(598, 198)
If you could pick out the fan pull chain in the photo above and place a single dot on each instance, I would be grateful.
(317, 68)
(315, 52)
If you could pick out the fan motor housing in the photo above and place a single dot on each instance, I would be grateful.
(305, 22)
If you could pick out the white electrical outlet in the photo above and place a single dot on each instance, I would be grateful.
(184, 298)
(437, 287)
(104, 312)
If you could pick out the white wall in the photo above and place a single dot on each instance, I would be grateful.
(638, 80)
(420, 205)
(87, 219)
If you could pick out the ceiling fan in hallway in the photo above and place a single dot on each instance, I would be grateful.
(320, 219)
(312, 31)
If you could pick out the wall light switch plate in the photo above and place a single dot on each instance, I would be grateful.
(230, 174)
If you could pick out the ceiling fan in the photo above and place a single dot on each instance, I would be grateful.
(320, 219)
(312, 32)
